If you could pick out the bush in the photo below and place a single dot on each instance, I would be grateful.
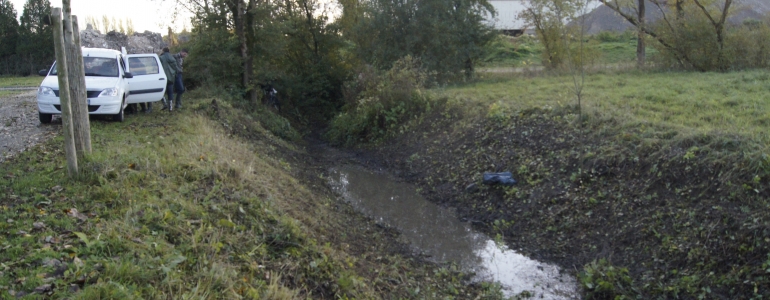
(748, 46)
(615, 37)
(378, 103)
(602, 280)
(695, 45)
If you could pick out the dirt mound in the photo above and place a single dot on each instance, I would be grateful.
(139, 42)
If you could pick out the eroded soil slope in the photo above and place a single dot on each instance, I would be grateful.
(681, 217)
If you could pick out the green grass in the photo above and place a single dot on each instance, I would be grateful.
(196, 206)
(527, 51)
(687, 103)
(32, 81)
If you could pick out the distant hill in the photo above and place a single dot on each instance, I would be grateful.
(603, 18)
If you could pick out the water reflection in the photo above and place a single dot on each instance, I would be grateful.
(438, 232)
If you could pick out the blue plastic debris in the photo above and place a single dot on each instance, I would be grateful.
(504, 178)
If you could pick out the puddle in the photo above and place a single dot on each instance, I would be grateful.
(437, 232)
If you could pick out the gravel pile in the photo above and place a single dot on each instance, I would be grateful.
(139, 42)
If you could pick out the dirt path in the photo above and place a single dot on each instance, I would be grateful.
(20, 127)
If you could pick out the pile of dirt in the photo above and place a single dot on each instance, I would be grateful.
(138, 42)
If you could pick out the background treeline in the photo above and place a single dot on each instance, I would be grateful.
(687, 34)
(314, 61)
(26, 44)
(106, 24)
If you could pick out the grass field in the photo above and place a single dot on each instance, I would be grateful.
(33, 81)
(29, 81)
(183, 206)
(683, 104)
(525, 51)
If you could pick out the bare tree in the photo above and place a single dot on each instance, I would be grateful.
(717, 15)
(577, 54)
(719, 28)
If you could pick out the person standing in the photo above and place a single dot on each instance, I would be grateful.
(178, 83)
(171, 68)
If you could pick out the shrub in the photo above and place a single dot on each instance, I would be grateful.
(615, 37)
(748, 46)
(602, 280)
(379, 103)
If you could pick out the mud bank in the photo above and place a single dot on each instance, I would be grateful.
(630, 217)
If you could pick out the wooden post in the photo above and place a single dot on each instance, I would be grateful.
(640, 46)
(64, 96)
(77, 82)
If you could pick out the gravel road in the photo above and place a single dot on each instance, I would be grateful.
(20, 128)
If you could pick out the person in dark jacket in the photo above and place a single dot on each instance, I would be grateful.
(171, 68)
(178, 84)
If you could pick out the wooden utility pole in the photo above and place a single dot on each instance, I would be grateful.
(640, 46)
(80, 121)
(64, 96)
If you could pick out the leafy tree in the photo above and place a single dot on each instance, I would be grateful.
(446, 36)
(9, 34)
(549, 18)
(35, 45)
(244, 44)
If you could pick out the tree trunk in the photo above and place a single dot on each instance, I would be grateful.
(64, 96)
(640, 46)
(238, 15)
(249, 37)
(77, 82)
(679, 11)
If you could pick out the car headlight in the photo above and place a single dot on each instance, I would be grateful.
(45, 91)
(110, 92)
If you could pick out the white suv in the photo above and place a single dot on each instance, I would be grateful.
(113, 80)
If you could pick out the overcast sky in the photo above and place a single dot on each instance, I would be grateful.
(145, 14)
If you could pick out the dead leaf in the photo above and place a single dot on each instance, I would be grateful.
(57, 189)
(38, 225)
(77, 262)
(44, 289)
(73, 212)
(137, 240)
(51, 262)
(132, 166)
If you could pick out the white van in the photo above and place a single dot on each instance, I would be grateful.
(113, 80)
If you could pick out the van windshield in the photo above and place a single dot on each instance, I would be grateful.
(96, 66)
(100, 66)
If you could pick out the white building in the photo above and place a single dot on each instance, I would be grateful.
(507, 19)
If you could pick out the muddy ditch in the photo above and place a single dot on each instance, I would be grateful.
(672, 221)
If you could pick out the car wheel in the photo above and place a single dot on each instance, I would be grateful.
(45, 118)
(121, 114)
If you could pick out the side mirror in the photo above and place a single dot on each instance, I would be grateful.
(43, 72)
(128, 75)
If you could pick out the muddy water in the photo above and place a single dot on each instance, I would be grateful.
(437, 232)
